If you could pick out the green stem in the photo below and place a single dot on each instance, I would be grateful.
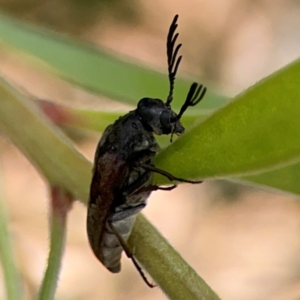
(11, 275)
(60, 205)
(169, 270)
(44, 145)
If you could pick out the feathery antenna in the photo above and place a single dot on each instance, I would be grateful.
(193, 97)
(173, 61)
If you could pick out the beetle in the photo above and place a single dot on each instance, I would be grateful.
(124, 165)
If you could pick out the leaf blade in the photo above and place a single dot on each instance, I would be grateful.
(256, 131)
(92, 68)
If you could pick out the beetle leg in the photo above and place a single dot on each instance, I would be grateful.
(167, 174)
(129, 254)
(136, 188)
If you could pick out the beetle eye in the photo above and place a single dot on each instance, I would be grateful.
(165, 122)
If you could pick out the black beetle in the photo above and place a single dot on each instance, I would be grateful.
(124, 166)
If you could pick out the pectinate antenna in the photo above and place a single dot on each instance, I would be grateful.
(173, 61)
(194, 96)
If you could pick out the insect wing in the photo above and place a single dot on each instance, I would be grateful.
(109, 174)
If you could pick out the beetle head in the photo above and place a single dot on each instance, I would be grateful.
(159, 117)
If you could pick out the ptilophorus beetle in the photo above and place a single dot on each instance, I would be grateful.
(124, 166)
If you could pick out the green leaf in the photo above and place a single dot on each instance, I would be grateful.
(285, 179)
(258, 130)
(94, 69)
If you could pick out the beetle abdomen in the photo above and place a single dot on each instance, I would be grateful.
(110, 245)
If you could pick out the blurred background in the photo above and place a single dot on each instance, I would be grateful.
(244, 241)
